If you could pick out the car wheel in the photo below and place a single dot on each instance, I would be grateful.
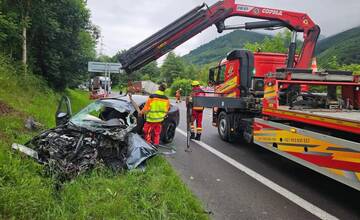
(168, 132)
(224, 127)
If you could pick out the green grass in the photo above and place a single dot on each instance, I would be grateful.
(26, 193)
(78, 99)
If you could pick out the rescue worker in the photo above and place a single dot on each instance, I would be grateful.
(155, 111)
(178, 95)
(197, 113)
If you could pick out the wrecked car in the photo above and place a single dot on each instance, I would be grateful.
(107, 131)
(119, 107)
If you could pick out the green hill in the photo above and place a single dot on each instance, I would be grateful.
(345, 46)
(218, 48)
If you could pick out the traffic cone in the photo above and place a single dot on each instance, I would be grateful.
(314, 65)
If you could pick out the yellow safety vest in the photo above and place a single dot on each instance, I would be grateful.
(156, 107)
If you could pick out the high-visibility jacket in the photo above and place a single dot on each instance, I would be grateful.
(156, 107)
(196, 90)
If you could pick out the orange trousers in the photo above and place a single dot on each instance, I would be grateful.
(152, 131)
(197, 117)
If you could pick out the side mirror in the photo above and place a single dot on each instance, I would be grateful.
(211, 77)
(63, 112)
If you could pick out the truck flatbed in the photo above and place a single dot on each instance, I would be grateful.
(343, 120)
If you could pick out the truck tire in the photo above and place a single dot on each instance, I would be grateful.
(224, 127)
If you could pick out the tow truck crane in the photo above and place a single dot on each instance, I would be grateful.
(266, 98)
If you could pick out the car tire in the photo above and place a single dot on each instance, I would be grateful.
(168, 132)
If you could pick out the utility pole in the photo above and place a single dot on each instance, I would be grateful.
(102, 45)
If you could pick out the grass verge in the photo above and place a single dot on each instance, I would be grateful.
(25, 193)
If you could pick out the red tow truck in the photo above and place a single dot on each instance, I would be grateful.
(273, 100)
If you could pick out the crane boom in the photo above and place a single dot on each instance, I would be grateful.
(202, 17)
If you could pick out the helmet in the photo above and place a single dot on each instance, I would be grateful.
(195, 83)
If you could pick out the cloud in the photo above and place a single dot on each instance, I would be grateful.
(125, 23)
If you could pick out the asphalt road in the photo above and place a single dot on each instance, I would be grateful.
(229, 193)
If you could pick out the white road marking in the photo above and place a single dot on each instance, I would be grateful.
(270, 184)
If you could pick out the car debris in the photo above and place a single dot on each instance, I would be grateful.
(102, 133)
(28, 151)
(67, 151)
(33, 125)
(138, 151)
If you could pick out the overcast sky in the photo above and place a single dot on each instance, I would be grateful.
(124, 23)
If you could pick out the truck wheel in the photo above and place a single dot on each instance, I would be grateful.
(223, 126)
(168, 132)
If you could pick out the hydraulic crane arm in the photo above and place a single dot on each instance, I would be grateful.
(202, 17)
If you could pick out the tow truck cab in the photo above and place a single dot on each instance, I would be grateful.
(241, 76)
(243, 71)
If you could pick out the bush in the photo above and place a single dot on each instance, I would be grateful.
(184, 84)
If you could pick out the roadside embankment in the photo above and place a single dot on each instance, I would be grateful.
(26, 193)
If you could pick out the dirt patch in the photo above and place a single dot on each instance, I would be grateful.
(5, 108)
(4, 137)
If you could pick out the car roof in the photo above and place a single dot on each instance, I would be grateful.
(124, 100)
(139, 99)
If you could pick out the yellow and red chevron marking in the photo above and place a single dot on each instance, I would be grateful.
(231, 95)
(228, 85)
(335, 158)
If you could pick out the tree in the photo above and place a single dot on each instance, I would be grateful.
(61, 40)
(10, 38)
(203, 75)
(24, 6)
(191, 71)
(333, 64)
(54, 38)
(352, 67)
(183, 84)
(277, 44)
(172, 68)
(149, 72)
(18, 11)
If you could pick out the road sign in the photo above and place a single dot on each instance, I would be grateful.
(100, 67)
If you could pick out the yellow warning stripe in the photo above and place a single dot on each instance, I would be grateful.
(230, 84)
(231, 95)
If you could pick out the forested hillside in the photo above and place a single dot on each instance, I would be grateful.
(344, 46)
(218, 48)
(54, 39)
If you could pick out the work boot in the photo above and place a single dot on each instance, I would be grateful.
(192, 136)
(198, 137)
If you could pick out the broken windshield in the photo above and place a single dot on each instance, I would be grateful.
(103, 114)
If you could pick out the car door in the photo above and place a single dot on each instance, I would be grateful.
(63, 112)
